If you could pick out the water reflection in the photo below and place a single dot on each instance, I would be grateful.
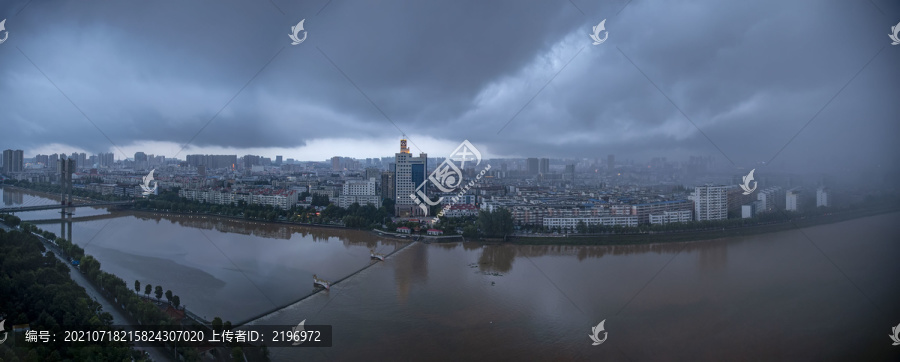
(13, 198)
(500, 258)
(267, 230)
(713, 257)
(497, 258)
(412, 268)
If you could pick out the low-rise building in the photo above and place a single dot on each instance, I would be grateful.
(571, 223)
(665, 217)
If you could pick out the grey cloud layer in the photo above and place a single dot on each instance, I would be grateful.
(749, 74)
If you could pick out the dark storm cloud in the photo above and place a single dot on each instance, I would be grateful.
(749, 74)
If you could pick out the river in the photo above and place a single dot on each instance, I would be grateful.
(827, 292)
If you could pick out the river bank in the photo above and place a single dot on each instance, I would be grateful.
(563, 239)
(697, 235)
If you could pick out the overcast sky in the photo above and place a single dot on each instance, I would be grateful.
(126, 76)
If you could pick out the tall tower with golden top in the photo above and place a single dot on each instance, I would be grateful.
(403, 148)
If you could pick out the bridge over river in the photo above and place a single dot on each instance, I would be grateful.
(11, 210)
(333, 283)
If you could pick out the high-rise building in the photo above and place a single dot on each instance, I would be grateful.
(792, 199)
(533, 166)
(13, 161)
(768, 199)
(278, 160)
(822, 197)
(140, 161)
(611, 162)
(710, 202)
(52, 160)
(387, 185)
(336, 163)
(42, 159)
(249, 161)
(544, 166)
(106, 159)
(409, 174)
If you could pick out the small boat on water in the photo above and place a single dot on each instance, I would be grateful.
(376, 256)
(321, 282)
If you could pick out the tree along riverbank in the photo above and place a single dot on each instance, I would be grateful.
(137, 309)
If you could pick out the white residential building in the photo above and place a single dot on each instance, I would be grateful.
(822, 197)
(747, 211)
(359, 188)
(284, 199)
(666, 217)
(361, 192)
(570, 223)
(792, 199)
(346, 200)
(710, 202)
(767, 199)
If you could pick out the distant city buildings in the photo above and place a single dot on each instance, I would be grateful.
(212, 162)
(577, 191)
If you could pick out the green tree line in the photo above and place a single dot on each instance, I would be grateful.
(36, 290)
